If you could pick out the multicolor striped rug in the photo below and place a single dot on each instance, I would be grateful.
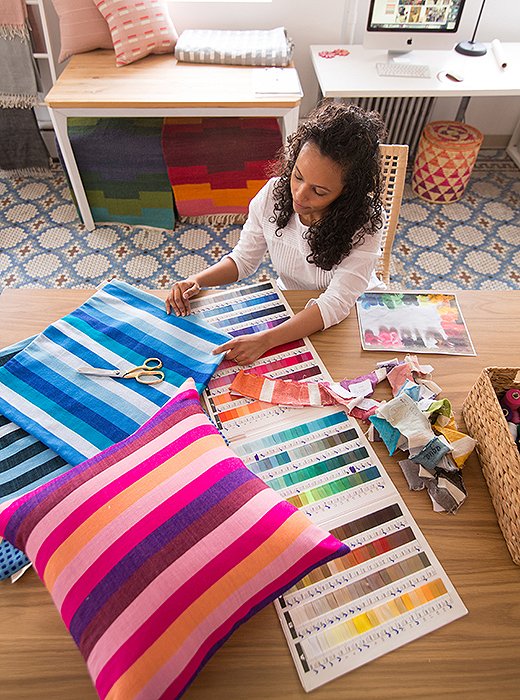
(217, 165)
(130, 165)
(123, 170)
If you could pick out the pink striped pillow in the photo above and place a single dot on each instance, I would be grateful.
(138, 28)
(82, 28)
(157, 548)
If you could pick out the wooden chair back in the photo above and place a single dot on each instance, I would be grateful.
(394, 158)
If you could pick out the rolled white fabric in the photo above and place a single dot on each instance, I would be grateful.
(498, 53)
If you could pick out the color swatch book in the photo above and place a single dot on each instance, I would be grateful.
(413, 322)
(390, 589)
(241, 311)
(320, 463)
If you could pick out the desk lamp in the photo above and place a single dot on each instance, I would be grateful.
(472, 47)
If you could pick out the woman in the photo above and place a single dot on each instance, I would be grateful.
(321, 222)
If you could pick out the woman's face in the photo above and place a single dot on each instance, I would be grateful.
(316, 181)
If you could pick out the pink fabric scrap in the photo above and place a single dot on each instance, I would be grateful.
(398, 376)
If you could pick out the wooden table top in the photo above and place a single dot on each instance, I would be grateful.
(92, 81)
(477, 656)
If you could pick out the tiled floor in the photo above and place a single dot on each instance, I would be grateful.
(471, 244)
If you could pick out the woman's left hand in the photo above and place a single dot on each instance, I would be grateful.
(245, 349)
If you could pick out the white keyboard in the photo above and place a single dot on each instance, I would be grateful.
(403, 70)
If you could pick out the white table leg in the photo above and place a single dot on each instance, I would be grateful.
(59, 122)
(290, 122)
(513, 147)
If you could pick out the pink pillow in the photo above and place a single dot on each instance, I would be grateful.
(157, 548)
(82, 27)
(138, 28)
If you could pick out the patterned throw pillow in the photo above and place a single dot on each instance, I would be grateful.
(156, 549)
(138, 28)
(82, 27)
(11, 560)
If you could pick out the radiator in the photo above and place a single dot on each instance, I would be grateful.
(405, 117)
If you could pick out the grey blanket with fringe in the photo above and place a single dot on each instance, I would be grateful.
(18, 84)
(18, 81)
(22, 149)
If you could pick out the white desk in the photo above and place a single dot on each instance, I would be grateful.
(156, 86)
(356, 75)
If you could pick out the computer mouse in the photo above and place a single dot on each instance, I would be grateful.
(456, 77)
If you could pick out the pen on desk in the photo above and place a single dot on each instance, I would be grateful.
(496, 47)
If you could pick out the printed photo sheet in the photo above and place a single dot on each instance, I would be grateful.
(419, 322)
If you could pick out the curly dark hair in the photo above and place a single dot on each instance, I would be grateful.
(350, 136)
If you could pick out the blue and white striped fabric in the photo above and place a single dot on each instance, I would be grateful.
(118, 327)
(25, 463)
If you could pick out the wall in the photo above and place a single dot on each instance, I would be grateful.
(500, 20)
(306, 21)
(342, 21)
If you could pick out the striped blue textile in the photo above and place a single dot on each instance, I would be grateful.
(25, 463)
(120, 326)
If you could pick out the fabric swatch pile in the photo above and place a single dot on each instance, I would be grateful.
(415, 420)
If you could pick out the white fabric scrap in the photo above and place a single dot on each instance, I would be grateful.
(403, 414)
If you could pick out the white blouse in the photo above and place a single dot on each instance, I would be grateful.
(343, 284)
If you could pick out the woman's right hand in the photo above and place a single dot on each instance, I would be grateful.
(178, 299)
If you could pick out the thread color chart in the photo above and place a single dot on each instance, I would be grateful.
(389, 590)
(248, 310)
(413, 322)
(320, 464)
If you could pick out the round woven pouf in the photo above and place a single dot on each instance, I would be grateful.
(445, 158)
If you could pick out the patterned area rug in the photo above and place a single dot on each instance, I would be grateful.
(470, 244)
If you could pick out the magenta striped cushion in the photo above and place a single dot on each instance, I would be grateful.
(157, 548)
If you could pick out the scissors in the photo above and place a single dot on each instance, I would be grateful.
(147, 373)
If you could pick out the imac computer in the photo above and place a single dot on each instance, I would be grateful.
(400, 26)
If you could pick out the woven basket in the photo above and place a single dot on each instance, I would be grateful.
(445, 158)
(498, 453)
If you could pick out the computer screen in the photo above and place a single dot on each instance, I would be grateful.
(404, 25)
